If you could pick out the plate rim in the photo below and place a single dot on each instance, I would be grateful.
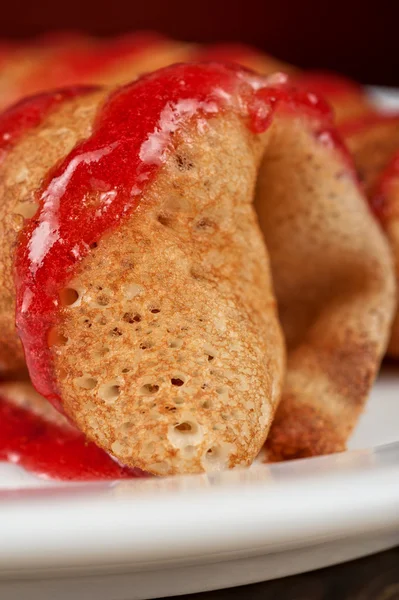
(285, 506)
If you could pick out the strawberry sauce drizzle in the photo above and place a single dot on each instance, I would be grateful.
(96, 186)
(26, 439)
(29, 113)
(131, 138)
(50, 450)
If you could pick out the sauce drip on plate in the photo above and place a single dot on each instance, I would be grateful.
(53, 451)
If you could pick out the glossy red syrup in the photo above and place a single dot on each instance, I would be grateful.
(29, 113)
(53, 451)
(87, 60)
(103, 179)
(25, 438)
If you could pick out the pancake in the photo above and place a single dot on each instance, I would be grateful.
(143, 294)
(374, 142)
(164, 347)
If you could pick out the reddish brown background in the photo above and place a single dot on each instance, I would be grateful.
(359, 38)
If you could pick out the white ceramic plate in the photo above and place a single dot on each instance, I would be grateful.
(158, 537)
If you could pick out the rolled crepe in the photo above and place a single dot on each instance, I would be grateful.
(151, 321)
(60, 60)
(334, 285)
(65, 59)
(19, 62)
(374, 142)
(347, 97)
(142, 289)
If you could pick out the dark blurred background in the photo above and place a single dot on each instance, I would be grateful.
(359, 39)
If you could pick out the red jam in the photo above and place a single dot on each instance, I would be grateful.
(83, 61)
(25, 438)
(29, 113)
(103, 178)
(53, 451)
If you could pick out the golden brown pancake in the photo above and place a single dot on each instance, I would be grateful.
(61, 60)
(66, 59)
(334, 285)
(164, 346)
(374, 142)
(173, 356)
